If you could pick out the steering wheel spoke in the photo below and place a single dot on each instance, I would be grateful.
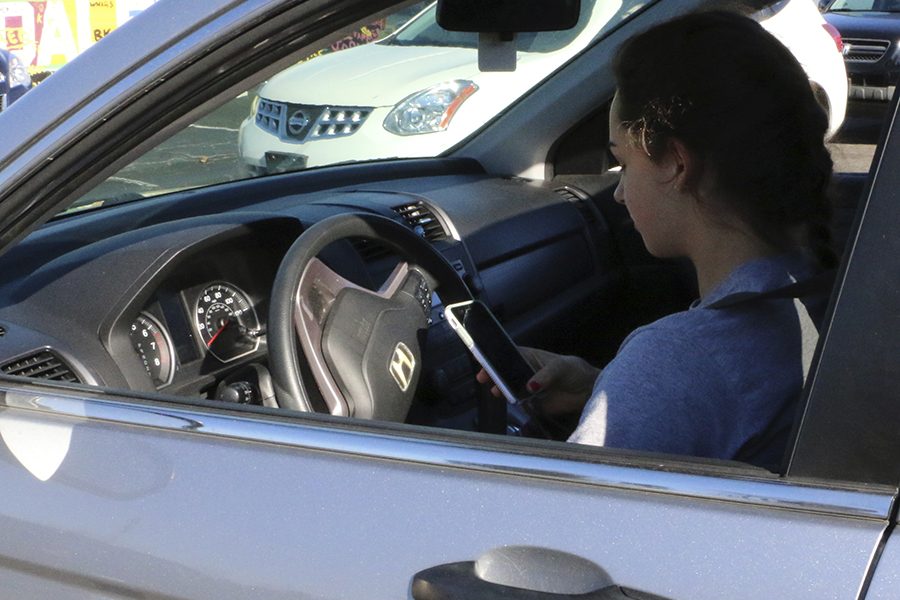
(317, 291)
(395, 280)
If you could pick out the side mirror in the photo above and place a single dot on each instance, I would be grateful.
(498, 21)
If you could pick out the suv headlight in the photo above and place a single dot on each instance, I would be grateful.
(18, 74)
(429, 110)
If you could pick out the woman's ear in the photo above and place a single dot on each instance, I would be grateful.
(683, 164)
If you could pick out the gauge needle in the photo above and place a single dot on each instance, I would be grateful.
(216, 334)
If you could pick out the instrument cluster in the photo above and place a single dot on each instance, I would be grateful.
(225, 327)
(201, 319)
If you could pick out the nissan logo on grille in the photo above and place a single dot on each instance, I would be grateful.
(297, 122)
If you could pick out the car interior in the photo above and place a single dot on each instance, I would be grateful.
(171, 297)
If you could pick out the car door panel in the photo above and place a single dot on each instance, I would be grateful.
(886, 574)
(184, 503)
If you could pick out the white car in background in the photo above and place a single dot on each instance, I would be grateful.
(817, 45)
(361, 103)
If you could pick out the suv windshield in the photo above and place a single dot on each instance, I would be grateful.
(398, 87)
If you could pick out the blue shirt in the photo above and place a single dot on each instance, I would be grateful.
(705, 381)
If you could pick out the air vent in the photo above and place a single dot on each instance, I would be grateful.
(422, 220)
(44, 364)
(580, 203)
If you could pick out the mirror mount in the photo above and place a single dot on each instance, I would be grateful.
(496, 51)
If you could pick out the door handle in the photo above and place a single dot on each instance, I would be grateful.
(459, 581)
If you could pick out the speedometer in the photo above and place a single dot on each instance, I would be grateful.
(152, 343)
(226, 322)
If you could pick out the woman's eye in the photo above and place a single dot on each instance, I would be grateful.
(611, 159)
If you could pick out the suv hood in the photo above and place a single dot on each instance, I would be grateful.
(869, 25)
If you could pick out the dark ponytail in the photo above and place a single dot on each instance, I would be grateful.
(734, 95)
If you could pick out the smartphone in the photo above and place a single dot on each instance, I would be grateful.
(492, 348)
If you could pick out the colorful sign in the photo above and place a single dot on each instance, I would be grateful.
(47, 34)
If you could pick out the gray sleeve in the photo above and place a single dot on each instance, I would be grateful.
(662, 393)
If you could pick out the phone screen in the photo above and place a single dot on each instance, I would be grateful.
(492, 347)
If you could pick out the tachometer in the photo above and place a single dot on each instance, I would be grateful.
(153, 345)
(226, 322)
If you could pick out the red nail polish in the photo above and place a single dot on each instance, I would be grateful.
(534, 386)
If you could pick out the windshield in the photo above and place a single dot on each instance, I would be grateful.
(417, 92)
(865, 6)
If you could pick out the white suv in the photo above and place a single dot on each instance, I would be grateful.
(369, 102)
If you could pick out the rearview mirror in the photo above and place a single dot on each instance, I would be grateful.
(498, 21)
(508, 16)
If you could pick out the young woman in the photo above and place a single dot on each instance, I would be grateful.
(721, 144)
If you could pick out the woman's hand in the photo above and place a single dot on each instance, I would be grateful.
(561, 384)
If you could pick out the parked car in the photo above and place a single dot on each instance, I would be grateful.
(148, 452)
(306, 115)
(14, 78)
(870, 31)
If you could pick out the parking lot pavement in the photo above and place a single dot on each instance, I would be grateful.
(852, 158)
(853, 147)
(203, 154)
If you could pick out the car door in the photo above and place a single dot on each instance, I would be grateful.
(119, 495)
(157, 501)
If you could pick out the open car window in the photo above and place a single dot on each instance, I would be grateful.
(383, 90)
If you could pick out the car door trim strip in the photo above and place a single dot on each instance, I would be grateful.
(411, 445)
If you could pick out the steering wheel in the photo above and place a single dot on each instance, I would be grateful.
(362, 347)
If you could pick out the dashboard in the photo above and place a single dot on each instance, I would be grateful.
(171, 295)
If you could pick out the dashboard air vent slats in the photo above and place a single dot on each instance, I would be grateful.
(568, 194)
(44, 364)
(422, 220)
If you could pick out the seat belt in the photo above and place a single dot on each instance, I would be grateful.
(781, 424)
(817, 284)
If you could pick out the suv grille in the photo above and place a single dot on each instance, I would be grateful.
(857, 50)
(301, 122)
(44, 364)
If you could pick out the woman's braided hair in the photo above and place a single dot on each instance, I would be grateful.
(733, 94)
